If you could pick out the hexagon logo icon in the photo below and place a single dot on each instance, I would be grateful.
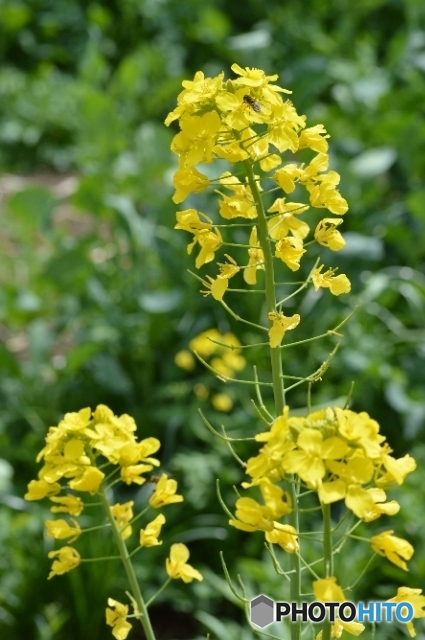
(262, 611)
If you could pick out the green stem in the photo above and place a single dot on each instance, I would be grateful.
(160, 590)
(275, 356)
(144, 616)
(328, 558)
(277, 377)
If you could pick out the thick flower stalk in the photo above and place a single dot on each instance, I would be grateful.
(284, 210)
(85, 455)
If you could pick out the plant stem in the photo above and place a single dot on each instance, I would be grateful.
(277, 377)
(328, 558)
(275, 356)
(144, 616)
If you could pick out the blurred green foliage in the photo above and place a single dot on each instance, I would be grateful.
(95, 299)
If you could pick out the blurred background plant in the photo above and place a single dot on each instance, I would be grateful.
(95, 300)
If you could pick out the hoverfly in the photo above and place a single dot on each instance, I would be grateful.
(255, 106)
(156, 478)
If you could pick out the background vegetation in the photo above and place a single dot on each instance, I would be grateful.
(95, 300)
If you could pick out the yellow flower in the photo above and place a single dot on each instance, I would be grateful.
(199, 92)
(308, 460)
(275, 498)
(117, 619)
(123, 513)
(209, 241)
(232, 152)
(132, 452)
(228, 364)
(219, 285)
(285, 536)
(327, 234)
(222, 402)
(337, 284)
(114, 437)
(380, 507)
(397, 470)
(89, 481)
(270, 162)
(252, 77)
(132, 473)
(325, 196)
(252, 516)
(352, 474)
(353, 628)
(203, 344)
(327, 590)
(75, 421)
(314, 138)
(255, 82)
(165, 493)
(281, 324)
(290, 250)
(278, 442)
(39, 489)
(60, 529)
(256, 258)
(396, 550)
(197, 138)
(185, 360)
(317, 165)
(258, 147)
(359, 429)
(414, 597)
(284, 124)
(237, 206)
(67, 504)
(286, 177)
(230, 358)
(238, 113)
(67, 558)
(187, 181)
(149, 535)
(189, 220)
(280, 225)
(177, 566)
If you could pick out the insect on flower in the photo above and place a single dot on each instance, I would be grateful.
(154, 479)
(255, 106)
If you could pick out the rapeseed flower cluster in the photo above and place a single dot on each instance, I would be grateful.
(221, 350)
(246, 120)
(340, 455)
(77, 453)
(224, 355)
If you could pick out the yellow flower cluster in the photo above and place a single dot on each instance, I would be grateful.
(338, 453)
(73, 446)
(222, 350)
(70, 457)
(224, 355)
(247, 120)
